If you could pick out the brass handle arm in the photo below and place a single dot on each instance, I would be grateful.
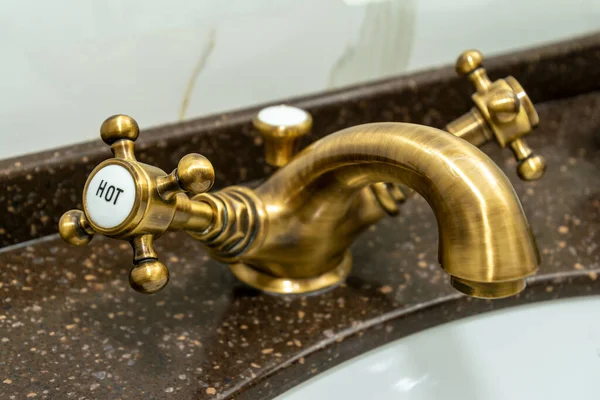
(194, 174)
(75, 229)
(148, 274)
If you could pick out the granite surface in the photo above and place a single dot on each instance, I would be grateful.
(70, 326)
(35, 190)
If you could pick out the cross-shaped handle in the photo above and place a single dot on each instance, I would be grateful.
(126, 199)
(502, 111)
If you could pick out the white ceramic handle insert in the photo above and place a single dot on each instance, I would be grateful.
(110, 196)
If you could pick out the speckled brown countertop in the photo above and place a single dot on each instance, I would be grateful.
(70, 327)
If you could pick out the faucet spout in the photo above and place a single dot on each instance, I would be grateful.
(314, 207)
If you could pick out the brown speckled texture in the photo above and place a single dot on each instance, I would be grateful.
(35, 190)
(70, 327)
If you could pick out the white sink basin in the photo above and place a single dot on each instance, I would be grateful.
(548, 350)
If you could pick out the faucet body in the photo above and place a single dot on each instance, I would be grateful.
(292, 234)
(308, 213)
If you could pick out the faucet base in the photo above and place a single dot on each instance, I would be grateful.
(487, 290)
(279, 285)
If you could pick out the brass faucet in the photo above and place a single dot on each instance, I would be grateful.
(293, 232)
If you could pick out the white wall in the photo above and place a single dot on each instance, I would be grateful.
(68, 64)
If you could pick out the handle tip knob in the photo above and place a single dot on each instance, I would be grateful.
(195, 173)
(74, 229)
(119, 127)
(149, 276)
(531, 168)
(468, 62)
